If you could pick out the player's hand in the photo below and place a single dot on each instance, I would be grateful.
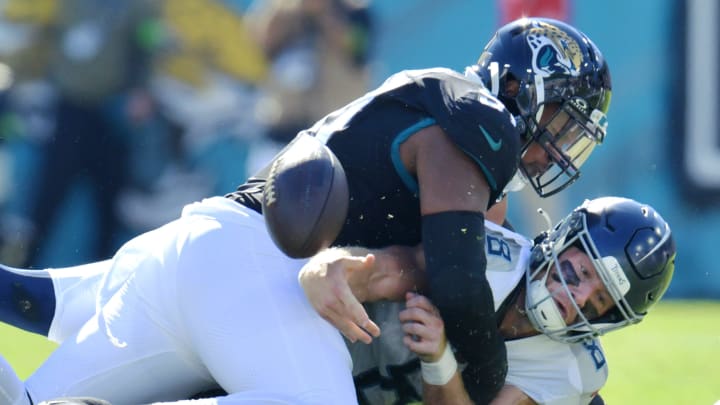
(327, 287)
(424, 328)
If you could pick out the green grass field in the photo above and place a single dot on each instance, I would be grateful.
(672, 357)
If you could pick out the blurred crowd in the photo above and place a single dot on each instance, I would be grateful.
(121, 112)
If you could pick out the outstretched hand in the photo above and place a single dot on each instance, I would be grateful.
(327, 286)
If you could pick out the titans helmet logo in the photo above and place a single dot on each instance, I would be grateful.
(554, 51)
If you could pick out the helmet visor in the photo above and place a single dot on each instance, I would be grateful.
(568, 137)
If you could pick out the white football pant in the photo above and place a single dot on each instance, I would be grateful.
(206, 300)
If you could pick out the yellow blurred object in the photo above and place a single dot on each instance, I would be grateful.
(209, 35)
(31, 11)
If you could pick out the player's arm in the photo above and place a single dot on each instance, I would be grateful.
(454, 195)
(497, 214)
(337, 280)
(453, 392)
(442, 382)
(425, 336)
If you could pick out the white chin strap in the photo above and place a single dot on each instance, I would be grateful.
(545, 315)
(517, 183)
(540, 97)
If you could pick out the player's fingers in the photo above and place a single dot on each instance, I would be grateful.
(415, 329)
(355, 313)
(359, 316)
(372, 328)
(347, 327)
(415, 300)
(354, 333)
(354, 263)
(417, 315)
(422, 325)
(428, 330)
(424, 341)
(420, 347)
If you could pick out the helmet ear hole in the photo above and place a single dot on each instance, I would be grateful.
(512, 86)
(509, 93)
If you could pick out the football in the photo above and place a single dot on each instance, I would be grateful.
(306, 198)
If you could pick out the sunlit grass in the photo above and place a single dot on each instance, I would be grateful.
(671, 357)
(24, 351)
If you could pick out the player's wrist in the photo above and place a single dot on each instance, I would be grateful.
(441, 371)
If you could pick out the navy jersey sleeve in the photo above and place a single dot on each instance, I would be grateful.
(477, 122)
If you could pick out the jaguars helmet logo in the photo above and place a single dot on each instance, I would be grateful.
(554, 51)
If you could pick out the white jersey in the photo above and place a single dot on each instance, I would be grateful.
(549, 372)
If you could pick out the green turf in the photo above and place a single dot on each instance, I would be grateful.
(24, 351)
(672, 357)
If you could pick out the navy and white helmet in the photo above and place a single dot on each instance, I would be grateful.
(531, 62)
(633, 252)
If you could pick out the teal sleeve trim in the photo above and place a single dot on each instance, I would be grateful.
(488, 175)
(406, 177)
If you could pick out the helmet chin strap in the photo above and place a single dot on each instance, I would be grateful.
(516, 183)
(540, 94)
(543, 313)
(494, 78)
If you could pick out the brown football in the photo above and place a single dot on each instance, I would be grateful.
(306, 198)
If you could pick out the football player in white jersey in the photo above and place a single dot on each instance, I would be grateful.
(602, 247)
(599, 269)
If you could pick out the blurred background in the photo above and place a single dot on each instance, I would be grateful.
(113, 115)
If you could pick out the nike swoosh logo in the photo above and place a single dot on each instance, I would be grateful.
(494, 145)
